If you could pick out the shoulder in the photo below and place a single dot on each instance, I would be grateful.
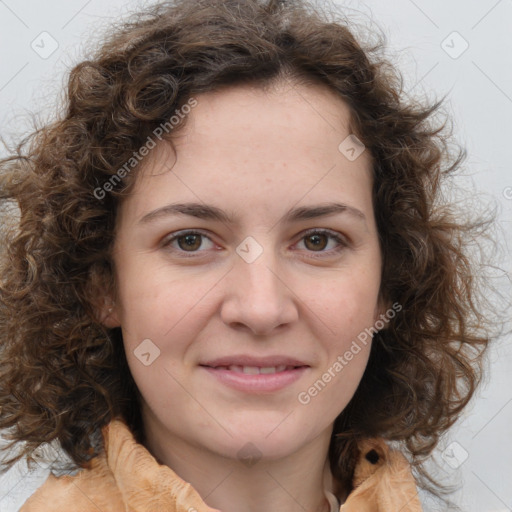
(93, 489)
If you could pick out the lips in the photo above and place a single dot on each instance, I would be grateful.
(246, 361)
(256, 375)
(256, 370)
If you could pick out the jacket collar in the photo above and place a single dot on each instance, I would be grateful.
(383, 481)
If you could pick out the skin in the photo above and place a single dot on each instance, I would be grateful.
(255, 154)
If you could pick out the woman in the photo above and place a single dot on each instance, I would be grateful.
(234, 282)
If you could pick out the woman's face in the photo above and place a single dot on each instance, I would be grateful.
(238, 296)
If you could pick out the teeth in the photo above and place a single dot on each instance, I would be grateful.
(255, 370)
(251, 370)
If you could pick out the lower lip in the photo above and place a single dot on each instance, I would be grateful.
(259, 383)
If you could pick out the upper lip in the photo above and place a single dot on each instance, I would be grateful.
(260, 362)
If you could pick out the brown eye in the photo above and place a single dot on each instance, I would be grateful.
(316, 242)
(324, 242)
(189, 242)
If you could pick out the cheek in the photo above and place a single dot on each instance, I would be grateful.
(162, 317)
(345, 304)
(332, 388)
(157, 330)
(154, 303)
(352, 317)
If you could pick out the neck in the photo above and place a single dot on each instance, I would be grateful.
(292, 484)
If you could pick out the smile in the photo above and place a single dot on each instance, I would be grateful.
(255, 379)
(255, 370)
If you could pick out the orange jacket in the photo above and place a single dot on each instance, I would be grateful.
(126, 477)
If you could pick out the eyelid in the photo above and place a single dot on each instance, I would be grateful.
(343, 241)
(338, 237)
(166, 242)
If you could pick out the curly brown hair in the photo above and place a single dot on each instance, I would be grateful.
(64, 375)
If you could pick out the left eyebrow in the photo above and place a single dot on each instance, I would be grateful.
(210, 212)
(312, 212)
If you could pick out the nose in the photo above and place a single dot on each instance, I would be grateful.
(257, 298)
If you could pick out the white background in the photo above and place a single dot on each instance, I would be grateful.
(479, 84)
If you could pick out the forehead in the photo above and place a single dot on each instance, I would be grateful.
(244, 120)
(245, 116)
(249, 139)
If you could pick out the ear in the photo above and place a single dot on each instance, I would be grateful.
(384, 312)
(101, 293)
(108, 313)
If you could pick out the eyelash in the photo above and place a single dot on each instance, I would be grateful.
(191, 254)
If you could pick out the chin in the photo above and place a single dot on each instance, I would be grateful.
(249, 452)
(259, 440)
